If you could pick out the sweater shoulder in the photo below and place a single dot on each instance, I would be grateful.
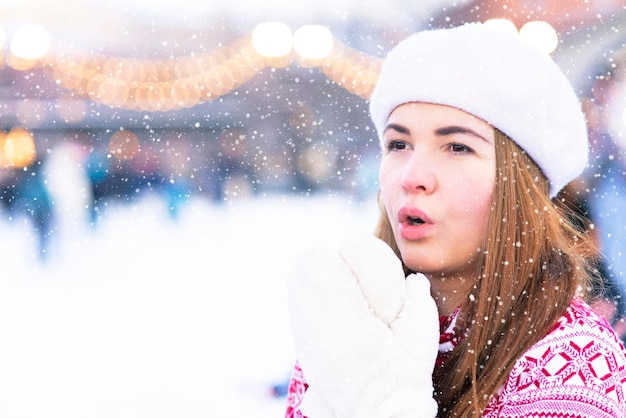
(578, 368)
(578, 322)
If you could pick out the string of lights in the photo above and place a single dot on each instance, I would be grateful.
(162, 85)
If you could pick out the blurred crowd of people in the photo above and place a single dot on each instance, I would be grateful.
(84, 175)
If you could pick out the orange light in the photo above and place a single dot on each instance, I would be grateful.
(21, 64)
(17, 149)
(124, 145)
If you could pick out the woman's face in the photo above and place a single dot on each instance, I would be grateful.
(437, 177)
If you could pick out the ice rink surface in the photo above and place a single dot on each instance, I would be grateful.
(145, 315)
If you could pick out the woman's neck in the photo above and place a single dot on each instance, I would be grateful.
(449, 292)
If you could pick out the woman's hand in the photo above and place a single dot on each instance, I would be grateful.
(366, 337)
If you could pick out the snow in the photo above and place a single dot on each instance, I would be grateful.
(145, 315)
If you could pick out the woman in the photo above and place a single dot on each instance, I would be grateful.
(479, 132)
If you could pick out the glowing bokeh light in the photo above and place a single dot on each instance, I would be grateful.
(30, 42)
(313, 42)
(17, 149)
(540, 35)
(124, 145)
(272, 39)
(161, 85)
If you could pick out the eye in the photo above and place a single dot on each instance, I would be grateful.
(460, 148)
(397, 145)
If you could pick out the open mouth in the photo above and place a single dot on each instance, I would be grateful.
(411, 216)
(415, 221)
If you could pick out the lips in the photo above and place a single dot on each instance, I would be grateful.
(415, 221)
(412, 215)
(414, 224)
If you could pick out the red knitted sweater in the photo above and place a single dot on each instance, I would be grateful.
(578, 370)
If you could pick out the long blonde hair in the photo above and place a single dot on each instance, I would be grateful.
(533, 265)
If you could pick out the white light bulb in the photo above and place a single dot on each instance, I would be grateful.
(313, 42)
(30, 42)
(272, 39)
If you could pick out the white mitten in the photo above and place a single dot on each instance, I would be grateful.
(366, 338)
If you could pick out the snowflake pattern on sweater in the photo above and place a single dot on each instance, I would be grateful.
(578, 370)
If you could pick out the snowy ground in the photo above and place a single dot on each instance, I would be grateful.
(147, 316)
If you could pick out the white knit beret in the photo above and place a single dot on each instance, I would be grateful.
(497, 77)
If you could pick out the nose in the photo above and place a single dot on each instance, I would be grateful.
(419, 174)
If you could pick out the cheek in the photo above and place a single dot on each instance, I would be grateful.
(386, 186)
(389, 172)
(477, 205)
(387, 182)
(382, 172)
(484, 209)
(383, 179)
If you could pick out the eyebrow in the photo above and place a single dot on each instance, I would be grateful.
(444, 131)
(451, 130)
(398, 128)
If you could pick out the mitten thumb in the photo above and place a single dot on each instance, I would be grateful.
(417, 325)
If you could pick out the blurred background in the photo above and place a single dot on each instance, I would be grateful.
(161, 163)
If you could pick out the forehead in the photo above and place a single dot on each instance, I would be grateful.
(427, 115)
(432, 109)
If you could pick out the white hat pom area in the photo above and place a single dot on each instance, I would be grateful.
(498, 78)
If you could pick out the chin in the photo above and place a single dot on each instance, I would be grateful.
(417, 266)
